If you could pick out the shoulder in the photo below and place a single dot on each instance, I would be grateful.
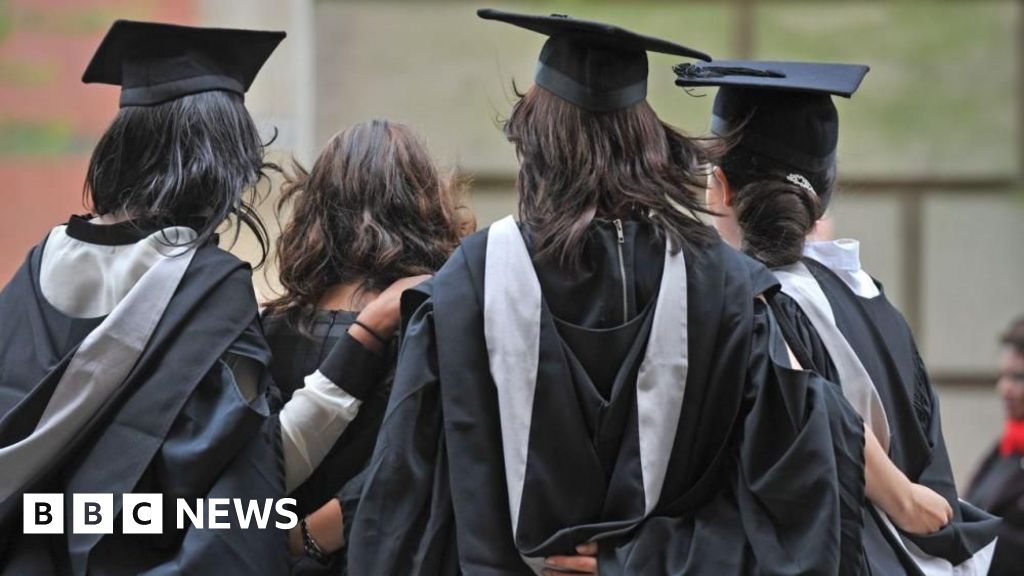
(458, 285)
(276, 323)
(471, 254)
(466, 264)
(218, 264)
(220, 280)
(214, 255)
(717, 260)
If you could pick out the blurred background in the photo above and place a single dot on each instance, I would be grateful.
(931, 154)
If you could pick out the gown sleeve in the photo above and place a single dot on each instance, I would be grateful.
(236, 456)
(800, 482)
(799, 333)
(403, 519)
(971, 529)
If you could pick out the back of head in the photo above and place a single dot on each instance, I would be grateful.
(182, 149)
(588, 142)
(190, 161)
(776, 206)
(779, 131)
(372, 209)
(576, 164)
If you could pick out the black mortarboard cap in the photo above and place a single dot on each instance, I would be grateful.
(155, 62)
(596, 66)
(786, 106)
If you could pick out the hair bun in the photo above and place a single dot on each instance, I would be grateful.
(776, 216)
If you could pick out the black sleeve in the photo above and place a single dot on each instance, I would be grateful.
(801, 336)
(971, 529)
(353, 367)
(403, 518)
(800, 488)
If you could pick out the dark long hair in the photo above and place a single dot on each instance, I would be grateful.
(575, 164)
(373, 209)
(775, 214)
(192, 161)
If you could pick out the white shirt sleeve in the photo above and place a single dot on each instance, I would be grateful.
(311, 422)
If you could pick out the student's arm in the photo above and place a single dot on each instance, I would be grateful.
(329, 400)
(914, 508)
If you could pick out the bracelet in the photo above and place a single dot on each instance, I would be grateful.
(312, 549)
(376, 335)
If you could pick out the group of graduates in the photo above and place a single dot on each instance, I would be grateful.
(605, 384)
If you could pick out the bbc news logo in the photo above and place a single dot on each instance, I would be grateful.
(144, 513)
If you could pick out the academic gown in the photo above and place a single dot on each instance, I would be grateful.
(177, 426)
(884, 344)
(740, 477)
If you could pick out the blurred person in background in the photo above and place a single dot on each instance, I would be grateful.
(998, 485)
(372, 210)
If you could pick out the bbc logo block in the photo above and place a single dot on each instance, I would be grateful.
(43, 514)
(93, 514)
(142, 514)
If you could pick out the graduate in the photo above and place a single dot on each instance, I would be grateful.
(131, 355)
(773, 180)
(604, 371)
(372, 210)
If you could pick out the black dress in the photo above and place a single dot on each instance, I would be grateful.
(294, 356)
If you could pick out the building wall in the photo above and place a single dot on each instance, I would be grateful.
(49, 120)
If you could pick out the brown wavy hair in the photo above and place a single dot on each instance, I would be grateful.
(575, 165)
(373, 209)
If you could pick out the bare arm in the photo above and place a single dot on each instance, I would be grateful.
(915, 508)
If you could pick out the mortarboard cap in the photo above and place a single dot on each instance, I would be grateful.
(596, 66)
(785, 109)
(155, 62)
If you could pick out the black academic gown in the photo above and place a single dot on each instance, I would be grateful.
(751, 482)
(179, 427)
(884, 344)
